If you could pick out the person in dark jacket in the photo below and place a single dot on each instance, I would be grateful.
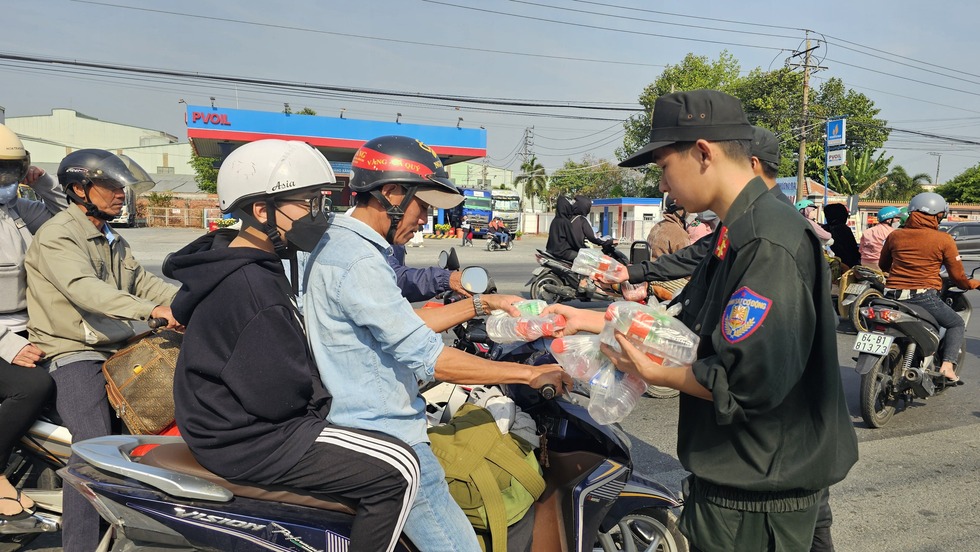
(421, 284)
(583, 231)
(249, 400)
(562, 242)
(767, 371)
(844, 246)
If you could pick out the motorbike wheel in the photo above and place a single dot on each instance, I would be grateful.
(538, 291)
(659, 392)
(878, 396)
(652, 529)
(860, 301)
(491, 245)
(510, 245)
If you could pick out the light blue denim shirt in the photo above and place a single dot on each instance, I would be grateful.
(370, 346)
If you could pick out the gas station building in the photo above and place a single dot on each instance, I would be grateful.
(216, 132)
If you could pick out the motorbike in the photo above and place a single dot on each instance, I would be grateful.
(858, 286)
(494, 243)
(43, 450)
(898, 355)
(166, 500)
(554, 282)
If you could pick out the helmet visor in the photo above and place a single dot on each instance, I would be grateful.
(13, 171)
(139, 180)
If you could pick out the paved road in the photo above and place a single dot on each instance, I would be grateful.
(916, 487)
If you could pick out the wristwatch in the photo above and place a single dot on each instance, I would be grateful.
(478, 306)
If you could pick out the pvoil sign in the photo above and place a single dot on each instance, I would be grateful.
(210, 118)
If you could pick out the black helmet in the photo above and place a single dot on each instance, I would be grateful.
(406, 161)
(86, 166)
(671, 206)
(409, 163)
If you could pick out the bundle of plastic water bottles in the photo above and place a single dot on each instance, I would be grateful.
(594, 264)
(530, 325)
(614, 394)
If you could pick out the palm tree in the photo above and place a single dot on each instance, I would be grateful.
(534, 179)
(860, 173)
(901, 186)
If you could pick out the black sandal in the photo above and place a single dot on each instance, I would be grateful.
(23, 514)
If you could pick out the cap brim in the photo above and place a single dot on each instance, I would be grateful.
(645, 155)
(439, 199)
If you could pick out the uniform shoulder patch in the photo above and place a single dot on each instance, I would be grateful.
(745, 312)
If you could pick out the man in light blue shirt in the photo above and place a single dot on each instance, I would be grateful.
(373, 349)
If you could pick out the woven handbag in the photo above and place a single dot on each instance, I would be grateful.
(140, 381)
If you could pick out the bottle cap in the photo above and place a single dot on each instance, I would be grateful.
(558, 346)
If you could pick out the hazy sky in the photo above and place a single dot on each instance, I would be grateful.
(933, 88)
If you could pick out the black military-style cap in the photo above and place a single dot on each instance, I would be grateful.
(765, 146)
(691, 116)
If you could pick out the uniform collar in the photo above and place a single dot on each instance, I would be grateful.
(751, 192)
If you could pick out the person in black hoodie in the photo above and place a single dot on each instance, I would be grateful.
(562, 242)
(580, 223)
(249, 400)
(844, 246)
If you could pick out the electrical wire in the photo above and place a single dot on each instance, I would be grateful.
(597, 27)
(364, 37)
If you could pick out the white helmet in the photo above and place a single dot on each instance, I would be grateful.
(14, 159)
(270, 167)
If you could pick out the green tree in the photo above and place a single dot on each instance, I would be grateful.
(535, 180)
(595, 177)
(306, 111)
(964, 188)
(205, 173)
(899, 186)
(859, 173)
(771, 99)
(692, 73)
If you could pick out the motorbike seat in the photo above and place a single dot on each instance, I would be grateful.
(177, 457)
(908, 308)
(552, 257)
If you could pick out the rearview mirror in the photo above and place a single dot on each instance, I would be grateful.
(475, 279)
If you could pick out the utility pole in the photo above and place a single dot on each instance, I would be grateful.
(800, 178)
(527, 145)
(485, 163)
(939, 157)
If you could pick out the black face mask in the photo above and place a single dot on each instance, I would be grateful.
(307, 231)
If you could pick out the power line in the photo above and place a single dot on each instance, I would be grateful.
(691, 26)
(365, 37)
(548, 104)
(597, 27)
(698, 17)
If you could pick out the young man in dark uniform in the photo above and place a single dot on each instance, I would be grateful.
(763, 425)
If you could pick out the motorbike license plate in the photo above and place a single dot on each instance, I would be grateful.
(873, 343)
(855, 289)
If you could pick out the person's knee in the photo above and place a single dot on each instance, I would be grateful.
(36, 385)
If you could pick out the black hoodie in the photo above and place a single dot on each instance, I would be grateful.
(580, 224)
(561, 235)
(844, 246)
(249, 401)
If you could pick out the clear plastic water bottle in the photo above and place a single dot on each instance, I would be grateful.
(531, 307)
(504, 328)
(614, 394)
(579, 356)
(663, 338)
(593, 264)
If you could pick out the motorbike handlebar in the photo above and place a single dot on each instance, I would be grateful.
(155, 323)
(547, 392)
